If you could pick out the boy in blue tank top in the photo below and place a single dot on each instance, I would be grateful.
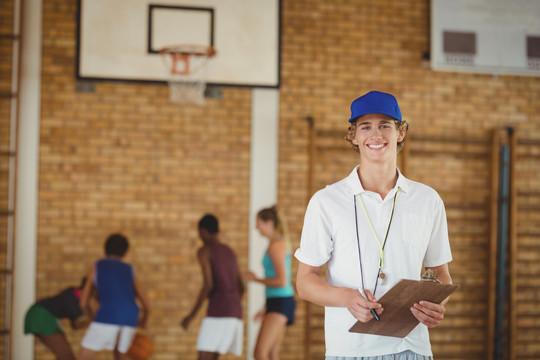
(117, 318)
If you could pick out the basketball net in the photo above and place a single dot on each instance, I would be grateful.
(187, 67)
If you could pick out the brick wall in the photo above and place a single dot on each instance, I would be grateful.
(6, 48)
(122, 158)
(336, 51)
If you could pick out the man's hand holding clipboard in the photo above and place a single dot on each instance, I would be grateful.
(398, 320)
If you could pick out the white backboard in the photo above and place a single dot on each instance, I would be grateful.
(486, 36)
(120, 39)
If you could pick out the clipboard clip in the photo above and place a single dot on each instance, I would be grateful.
(430, 275)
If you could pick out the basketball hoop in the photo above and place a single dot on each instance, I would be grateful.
(187, 67)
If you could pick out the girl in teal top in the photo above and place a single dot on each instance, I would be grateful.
(270, 272)
(280, 304)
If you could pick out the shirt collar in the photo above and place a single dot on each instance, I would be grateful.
(354, 186)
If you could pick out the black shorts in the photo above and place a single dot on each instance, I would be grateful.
(282, 305)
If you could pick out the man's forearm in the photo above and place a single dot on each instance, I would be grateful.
(313, 288)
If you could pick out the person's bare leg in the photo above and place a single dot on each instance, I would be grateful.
(59, 345)
(205, 355)
(118, 355)
(86, 354)
(274, 353)
(270, 336)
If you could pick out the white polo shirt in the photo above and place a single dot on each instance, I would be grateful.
(418, 236)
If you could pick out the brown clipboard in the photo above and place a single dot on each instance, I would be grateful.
(397, 319)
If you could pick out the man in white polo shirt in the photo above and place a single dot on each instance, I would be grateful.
(370, 230)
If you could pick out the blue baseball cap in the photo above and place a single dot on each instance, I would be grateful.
(375, 102)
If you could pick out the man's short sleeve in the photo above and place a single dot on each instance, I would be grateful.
(438, 251)
(316, 242)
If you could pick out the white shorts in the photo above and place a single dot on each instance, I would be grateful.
(101, 336)
(221, 335)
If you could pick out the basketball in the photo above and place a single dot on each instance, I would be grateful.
(141, 348)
